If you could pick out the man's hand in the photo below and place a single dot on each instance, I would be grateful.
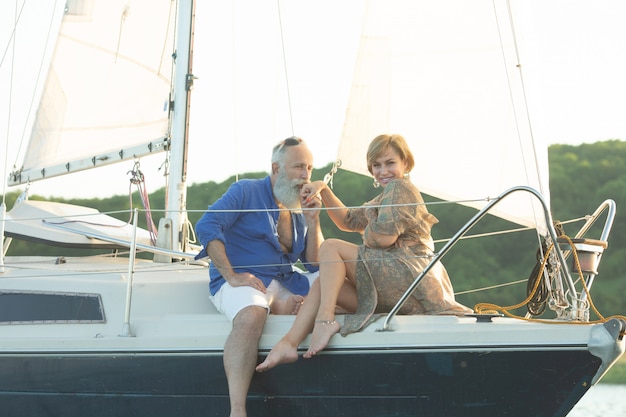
(217, 252)
(311, 203)
(241, 279)
(310, 199)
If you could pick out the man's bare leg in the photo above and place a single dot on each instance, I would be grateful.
(240, 355)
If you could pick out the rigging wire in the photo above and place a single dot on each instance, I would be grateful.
(9, 95)
(170, 21)
(234, 92)
(520, 77)
(282, 40)
(166, 162)
(12, 36)
(31, 105)
(524, 96)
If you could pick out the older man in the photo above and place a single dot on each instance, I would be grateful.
(254, 234)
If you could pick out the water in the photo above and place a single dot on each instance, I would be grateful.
(602, 400)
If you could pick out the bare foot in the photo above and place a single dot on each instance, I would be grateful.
(291, 305)
(294, 302)
(322, 332)
(282, 352)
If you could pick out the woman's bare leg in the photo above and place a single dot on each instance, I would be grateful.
(347, 299)
(286, 350)
(337, 263)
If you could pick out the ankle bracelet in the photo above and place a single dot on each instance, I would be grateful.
(326, 322)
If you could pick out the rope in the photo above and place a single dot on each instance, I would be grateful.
(328, 178)
(138, 179)
(490, 308)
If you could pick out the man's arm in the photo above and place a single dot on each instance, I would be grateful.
(217, 253)
(314, 237)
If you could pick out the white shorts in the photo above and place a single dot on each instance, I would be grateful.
(231, 300)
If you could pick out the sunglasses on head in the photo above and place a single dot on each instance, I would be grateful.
(292, 141)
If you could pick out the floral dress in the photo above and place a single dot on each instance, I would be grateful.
(383, 275)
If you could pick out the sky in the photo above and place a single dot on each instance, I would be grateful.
(580, 46)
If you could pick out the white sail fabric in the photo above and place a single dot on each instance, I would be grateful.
(444, 75)
(106, 95)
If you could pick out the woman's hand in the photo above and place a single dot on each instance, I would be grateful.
(310, 191)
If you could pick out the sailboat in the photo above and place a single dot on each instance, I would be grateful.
(124, 335)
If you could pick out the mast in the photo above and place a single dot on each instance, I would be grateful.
(176, 203)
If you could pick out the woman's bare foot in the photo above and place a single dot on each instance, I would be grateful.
(282, 352)
(322, 332)
(290, 305)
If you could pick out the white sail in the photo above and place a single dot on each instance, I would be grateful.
(110, 103)
(445, 75)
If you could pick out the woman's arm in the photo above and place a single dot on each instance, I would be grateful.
(337, 211)
(387, 222)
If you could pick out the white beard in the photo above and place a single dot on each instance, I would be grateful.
(287, 191)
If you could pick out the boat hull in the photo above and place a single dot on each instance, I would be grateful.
(450, 382)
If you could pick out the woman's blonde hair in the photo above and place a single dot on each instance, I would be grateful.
(381, 143)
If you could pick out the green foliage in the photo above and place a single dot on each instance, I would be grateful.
(581, 178)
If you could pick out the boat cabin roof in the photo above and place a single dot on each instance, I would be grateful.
(68, 225)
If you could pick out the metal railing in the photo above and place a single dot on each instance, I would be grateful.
(609, 204)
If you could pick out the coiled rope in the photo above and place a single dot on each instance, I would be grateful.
(490, 308)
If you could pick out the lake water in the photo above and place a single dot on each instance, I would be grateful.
(602, 400)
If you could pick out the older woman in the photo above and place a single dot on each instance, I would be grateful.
(370, 278)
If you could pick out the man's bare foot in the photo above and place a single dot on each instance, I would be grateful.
(282, 352)
(322, 332)
(290, 305)
(294, 302)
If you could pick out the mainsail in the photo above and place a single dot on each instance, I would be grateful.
(112, 102)
(446, 75)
